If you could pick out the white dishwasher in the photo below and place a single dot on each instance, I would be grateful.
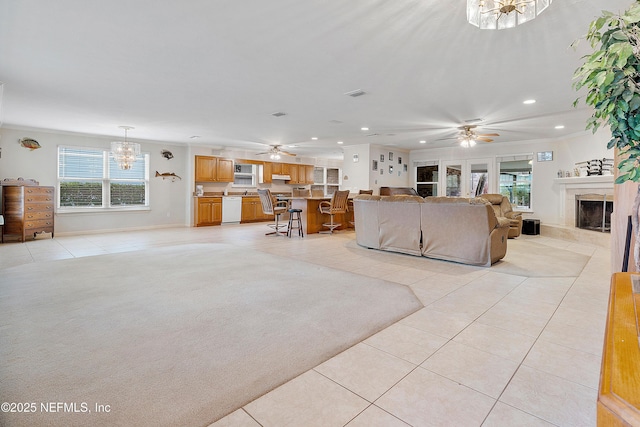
(231, 209)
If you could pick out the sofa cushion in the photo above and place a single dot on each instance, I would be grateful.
(399, 223)
(365, 216)
(458, 229)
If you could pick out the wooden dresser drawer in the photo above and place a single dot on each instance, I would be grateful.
(38, 207)
(39, 225)
(39, 191)
(47, 214)
(39, 198)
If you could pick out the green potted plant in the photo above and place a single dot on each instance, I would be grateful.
(611, 75)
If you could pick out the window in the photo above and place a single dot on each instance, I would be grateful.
(516, 174)
(427, 178)
(326, 180)
(89, 178)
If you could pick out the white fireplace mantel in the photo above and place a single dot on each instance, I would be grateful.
(570, 187)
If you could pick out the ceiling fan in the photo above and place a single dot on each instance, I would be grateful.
(275, 152)
(468, 136)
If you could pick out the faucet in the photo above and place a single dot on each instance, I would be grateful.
(245, 192)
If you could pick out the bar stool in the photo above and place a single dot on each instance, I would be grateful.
(298, 223)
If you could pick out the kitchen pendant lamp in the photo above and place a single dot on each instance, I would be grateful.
(501, 14)
(124, 152)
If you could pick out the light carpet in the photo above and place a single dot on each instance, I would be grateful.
(174, 336)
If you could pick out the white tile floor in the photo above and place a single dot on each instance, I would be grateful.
(488, 349)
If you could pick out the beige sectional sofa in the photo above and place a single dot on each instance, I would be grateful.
(448, 228)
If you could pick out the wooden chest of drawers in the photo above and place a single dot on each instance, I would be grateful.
(27, 210)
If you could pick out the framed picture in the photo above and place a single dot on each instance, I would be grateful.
(390, 168)
(404, 167)
(399, 160)
(545, 156)
(390, 156)
(381, 171)
(381, 158)
(374, 165)
(355, 158)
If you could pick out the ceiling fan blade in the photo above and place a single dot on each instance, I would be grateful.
(488, 134)
(266, 152)
(286, 153)
(484, 139)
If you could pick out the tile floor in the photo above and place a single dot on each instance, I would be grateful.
(488, 349)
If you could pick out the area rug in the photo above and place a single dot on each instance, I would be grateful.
(172, 336)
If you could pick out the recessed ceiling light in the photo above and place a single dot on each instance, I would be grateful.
(364, 128)
(194, 137)
(423, 142)
(315, 138)
(529, 101)
(340, 142)
(560, 127)
(279, 114)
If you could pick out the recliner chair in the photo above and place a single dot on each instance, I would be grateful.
(502, 207)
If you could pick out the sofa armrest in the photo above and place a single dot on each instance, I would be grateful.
(502, 222)
(513, 215)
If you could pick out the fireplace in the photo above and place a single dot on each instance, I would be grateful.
(593, 212)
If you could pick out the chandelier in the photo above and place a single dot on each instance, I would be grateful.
(124, 152)
(501, 14)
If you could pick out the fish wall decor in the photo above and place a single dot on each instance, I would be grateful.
(166, 175)
(30, 143)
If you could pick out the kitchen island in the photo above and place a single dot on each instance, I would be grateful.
(312, 219)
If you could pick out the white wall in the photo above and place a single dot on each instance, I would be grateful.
(355, 175)
(546, 195)
(171, 203)
(166, 198)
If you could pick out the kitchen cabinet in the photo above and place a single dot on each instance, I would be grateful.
(300, 174)
(27, 210)
(213, 169)
(293, 173)
(252, 210)
(208, 211)
(308, 170)
(267, 172)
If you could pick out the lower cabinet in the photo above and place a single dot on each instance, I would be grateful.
(252, 210)
(208, 211)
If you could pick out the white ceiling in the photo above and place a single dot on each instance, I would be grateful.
(220, 68)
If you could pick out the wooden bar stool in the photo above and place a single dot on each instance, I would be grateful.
(298, 222)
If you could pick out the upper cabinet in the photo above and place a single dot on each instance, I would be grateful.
(213, 169)
(300, 174)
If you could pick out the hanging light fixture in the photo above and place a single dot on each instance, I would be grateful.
(467, 142)
(501, 14)
(124, 152)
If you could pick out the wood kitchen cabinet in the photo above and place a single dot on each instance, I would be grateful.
(293, 173)
(213, 169)
(300, 174)
(208, 211)
(267, 172)
(27, 210)
(252, 210)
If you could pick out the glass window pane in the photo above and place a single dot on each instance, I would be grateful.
(80, 163)
(136, 171)
(427, 190)
(453, 180)
(427, 173)
(515, 181)
(127, 193)
(81, 194)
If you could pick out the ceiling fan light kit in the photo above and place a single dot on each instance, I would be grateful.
(502, 14)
